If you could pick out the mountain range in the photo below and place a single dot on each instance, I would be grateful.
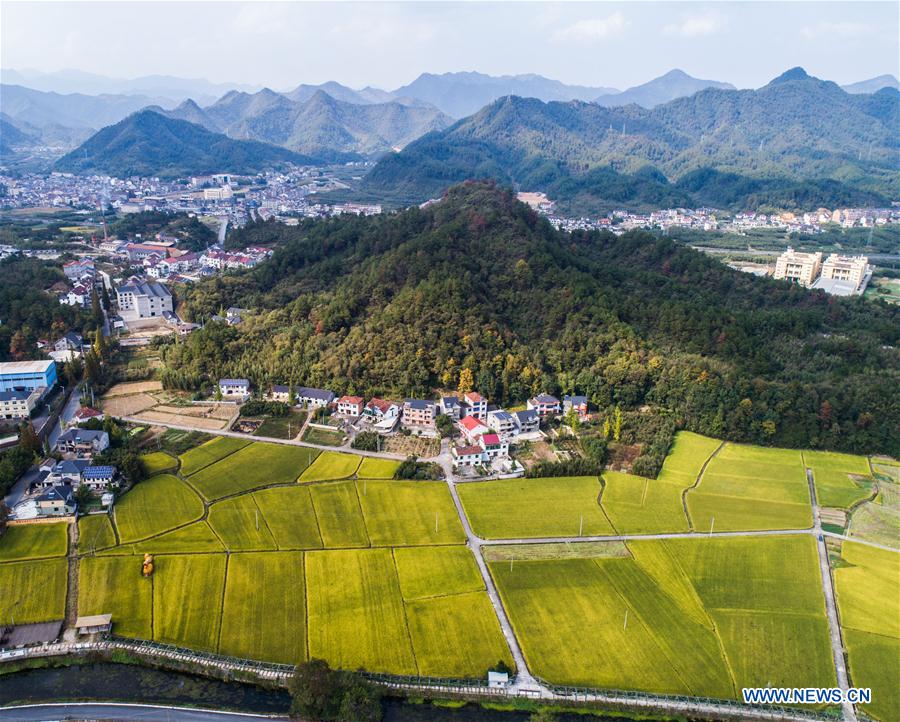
(718, 147)
(149, 144)
(674, 84)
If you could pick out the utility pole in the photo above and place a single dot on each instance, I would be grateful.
(257, 520)
(435, 522)
(581, 526)
(625, 626)
(711, 524)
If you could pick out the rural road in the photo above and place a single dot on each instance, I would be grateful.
(834, 625)
(113, 711)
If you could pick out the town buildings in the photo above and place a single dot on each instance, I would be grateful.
(802, 268)
(139, 299)
(838, 275)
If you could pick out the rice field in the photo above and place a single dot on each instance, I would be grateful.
(403, 513)
(115, 585)
(337, 508)
(290, 516)
(95, 532)
(33, 591)
(372, 468)
(238, 523)
(34, 541)
(331, 466)
(187, 599)
(154, 506)
(841, 480)
(636, 505)
(750, 487)
(530, 508)
(878, 520)
(686, 458)
(157, 462)
(210, 452)
(252, 467)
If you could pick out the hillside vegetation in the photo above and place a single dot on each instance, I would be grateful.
(720, 147)
(400, 304)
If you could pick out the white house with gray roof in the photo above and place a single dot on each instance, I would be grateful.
(139, 299)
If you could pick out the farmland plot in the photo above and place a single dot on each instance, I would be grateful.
(209, 452)
(193, 538)
(115, 585)
(841, 480)
(372, 468)
(340, 517)
(33, 591)
(290, 516)
(686, 458)
(158, 461)
(636, 505)
(435, 571)
(240, 525)
(154, 506)
(402, 513)
(187, 599)
(95, 532)
(251, 467)
(331, 466)
(34, 541)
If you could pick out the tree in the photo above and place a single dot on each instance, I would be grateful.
(73, 370)
(361, 702)
(444, 425)
(18, 346)
(316, 691)
(99, 344)
(96, 311)
(82, 494)
(28, 438)
(606, 428)
(104, 296)
(4, 517)
(466, 381)
(617, 424)
(572, 420)
(544, 714)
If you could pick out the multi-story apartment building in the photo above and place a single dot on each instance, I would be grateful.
(803, 268)
(850, 269)
(143, 300)
(18, 404)
(418, 412)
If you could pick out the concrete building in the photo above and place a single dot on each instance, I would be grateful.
(18, 404)
(27, 375)
(143, 300)
(82, 442)
(802, 268)
(418, 412)
(230, 388)
(351, 406)
(852, 270)
(314, 398)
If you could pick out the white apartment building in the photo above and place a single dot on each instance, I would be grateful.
(803, 268)
(850, 269)
(143, 300)
(15, 404)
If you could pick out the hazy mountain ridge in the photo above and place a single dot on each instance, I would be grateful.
(150, 144)
(756, 134)
(674, 84)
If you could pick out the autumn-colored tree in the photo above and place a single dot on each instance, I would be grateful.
(18, 346)
(466, 381)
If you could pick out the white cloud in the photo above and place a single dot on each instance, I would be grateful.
(847, 29)
(591, 30)
(696, 26)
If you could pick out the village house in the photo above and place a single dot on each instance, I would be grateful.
(472, 455)
(67, 471)
(98, 478)
(350, 406)
(281, 393)
(82, 442)
(76, 270)
(70, 342)
(544, 404)
(449, 406)
(234, 388)
(474, 405)
(86, 413)
(527, 421)
(493, 446)
(578, 403)
(313, 398)
(16, 404)
(55, 501)
(501, 421)
(418, 412)
(381, 409)
(471, 428)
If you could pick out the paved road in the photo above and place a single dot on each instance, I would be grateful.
(834, 626)
(223, 228)
(112, 711)
(629, 537)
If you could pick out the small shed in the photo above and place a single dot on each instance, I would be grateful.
(498, 679)
(94, 624)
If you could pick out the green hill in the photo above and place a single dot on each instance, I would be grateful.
(796, 139)
(399, 304)
(147, 143)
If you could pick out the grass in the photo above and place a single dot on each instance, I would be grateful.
(868, 589)
(873, 664)
(554, 550)
(435, 571)
(529, 508)
(704, 616)
(209, 453)
(372, 468)
(359, 622)
(187, 599)
(157, 462)
(322, 437)
(282, 427)
(264, 612)
(402, 513)
(240, 525)
(154, 506)
(831, 474)
(636, 505)
(331, 466)
(33, 591)
(34, 541)
(750, 487)
(95, 532)
(340, 517)
(878, 520)
(115, 585)
(251, 467)
(193, 538)
(290, 516)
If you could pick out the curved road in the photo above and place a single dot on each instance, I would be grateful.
(113, 711)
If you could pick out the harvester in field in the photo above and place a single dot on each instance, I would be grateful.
(147, 566)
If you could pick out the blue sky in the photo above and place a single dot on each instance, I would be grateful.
(389, 44)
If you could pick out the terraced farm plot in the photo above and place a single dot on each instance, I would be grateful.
(436, 571)
(530, 508)
(209, 452)
(750, 487)
(95, 532)
(456, 636)
(402, 513)
(251, 467)
(115, 585)
(330, 466)
(240, 525)
(193, 538)
(636, 505)
(290, 516)
(34, 541)
(686, 458)
(878, 520)
(359, 622)
(187, 599)
(839, 478)
(264, 613)
(157, 462)
(154, 506)
(33, 591)
(340, 517)
(372, 468)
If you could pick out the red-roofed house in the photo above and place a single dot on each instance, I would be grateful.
(85, 413)
(493, 446)
(467, 455)
(475, 404)
(350, 405)
(381, 409)
(471, 427)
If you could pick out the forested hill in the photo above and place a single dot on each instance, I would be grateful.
(798, 142)
(399, 304)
